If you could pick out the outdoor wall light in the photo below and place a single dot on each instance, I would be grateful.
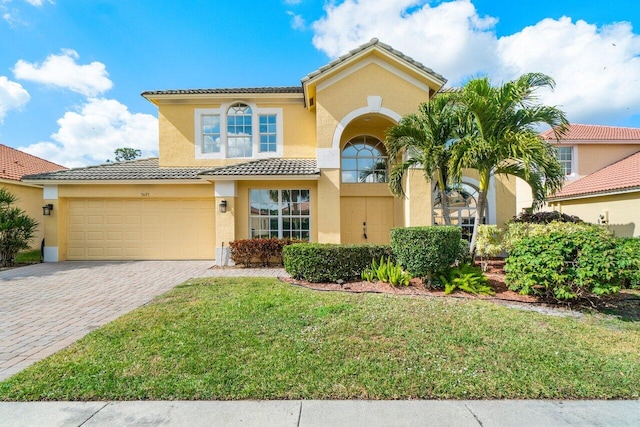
(222, 207)
(46, 209)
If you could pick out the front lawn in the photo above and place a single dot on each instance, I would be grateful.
(262, 339)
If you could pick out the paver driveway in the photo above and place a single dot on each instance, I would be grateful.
(46, 307)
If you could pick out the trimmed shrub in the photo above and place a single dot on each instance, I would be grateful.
(545, 218)
(489, 244)
(258, 251)
(564, 263)
(425, 251)
(315, 262)
(516, 231)
(628, 261)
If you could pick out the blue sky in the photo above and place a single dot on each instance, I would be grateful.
(71, 71)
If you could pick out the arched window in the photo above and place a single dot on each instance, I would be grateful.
(463, 201)
(239, 138)
(364, 159)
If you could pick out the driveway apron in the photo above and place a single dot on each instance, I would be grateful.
(46, 307)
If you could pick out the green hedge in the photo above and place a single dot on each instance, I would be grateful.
(315, 262)
(628, 261)
(564, 262)
(425, 251)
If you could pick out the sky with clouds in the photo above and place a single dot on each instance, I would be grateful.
(71, 71)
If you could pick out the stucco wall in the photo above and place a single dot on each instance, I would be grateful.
(593, 157)
(177, 133)
(622, 211)
(30, 200)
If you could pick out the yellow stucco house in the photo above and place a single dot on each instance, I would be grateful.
(14, 164)
(305, 162)
(602, 164)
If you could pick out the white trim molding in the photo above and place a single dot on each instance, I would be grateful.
(50, 192)
(226, 188)
(255, 131)
(328, 158)
(50, 254)
(372, 107)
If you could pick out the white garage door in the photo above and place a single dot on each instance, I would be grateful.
(140, 229)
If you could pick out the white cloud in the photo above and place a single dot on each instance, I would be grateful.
(450, 38)
(297, 21)
(12, 96)
(63, 71)
(90, 135)
(596, 69)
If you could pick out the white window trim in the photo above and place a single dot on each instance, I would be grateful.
(280, 216)
(574, 162)
(255, 129)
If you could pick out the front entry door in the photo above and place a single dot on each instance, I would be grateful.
(366, 219)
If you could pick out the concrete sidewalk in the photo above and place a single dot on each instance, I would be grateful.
(307, 413)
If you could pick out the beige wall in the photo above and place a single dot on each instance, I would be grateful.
(30, 200)
(621, 211)
(593, 157)
(332, 105)
(177, 133)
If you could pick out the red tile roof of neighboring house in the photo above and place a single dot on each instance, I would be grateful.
(595, 133)
(14, 164)
(624, 175)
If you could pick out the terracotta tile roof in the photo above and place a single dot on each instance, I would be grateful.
(268, 167)
(363, 47)
(14, 164)
(225, 91)
(148, 169)
(578, 132)
(145, 169)
(624, 175)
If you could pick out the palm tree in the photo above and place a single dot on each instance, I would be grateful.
(424, 140)
(498, 137)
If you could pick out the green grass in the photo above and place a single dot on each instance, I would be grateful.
(28, 257)
(262, 339)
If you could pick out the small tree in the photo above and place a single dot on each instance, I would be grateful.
(16, 229)
(126, 153)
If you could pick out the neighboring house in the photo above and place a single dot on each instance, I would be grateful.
(305, 162)
(603, 176)
(15, 164)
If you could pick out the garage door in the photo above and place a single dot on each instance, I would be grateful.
(140, 229)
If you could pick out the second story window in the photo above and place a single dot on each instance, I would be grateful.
(268, 133)
(364, 159)
(210, 133)
(238, 130)
(565, 156)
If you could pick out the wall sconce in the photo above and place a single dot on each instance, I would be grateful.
(222, 207)
(46, 209)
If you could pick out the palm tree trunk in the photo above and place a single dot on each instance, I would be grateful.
(444, 203)
(444, 198)
(480, 208)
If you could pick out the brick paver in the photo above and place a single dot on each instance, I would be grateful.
(46, 307)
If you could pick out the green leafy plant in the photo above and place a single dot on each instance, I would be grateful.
(424, 251)
(316, 262)
(16, 229)
(387, 272)
(628, 261)
(572, 261)
(466, 278)
(489, 244)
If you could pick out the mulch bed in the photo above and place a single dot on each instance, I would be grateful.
(625, 304)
